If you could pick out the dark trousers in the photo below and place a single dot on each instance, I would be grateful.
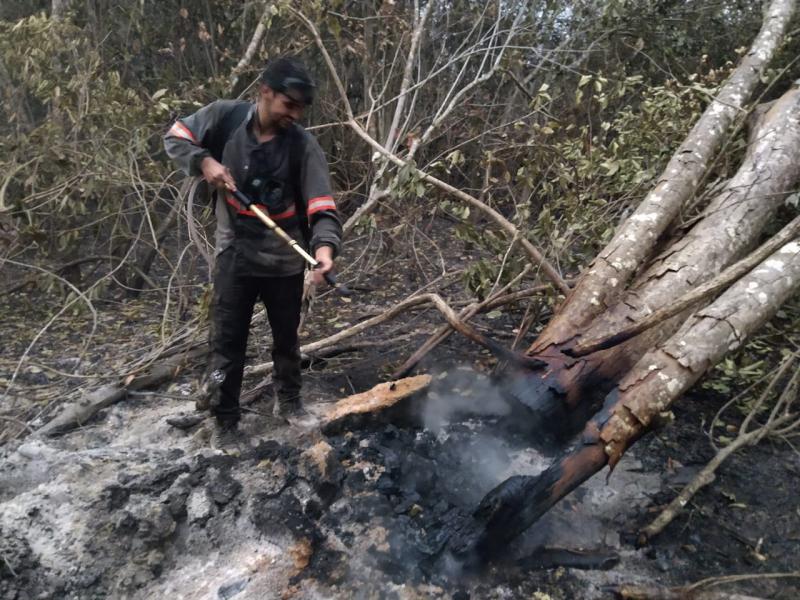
(233, 300)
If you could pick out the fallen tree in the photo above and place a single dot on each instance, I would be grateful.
(731, 225)
(594, 350)
(643, 395)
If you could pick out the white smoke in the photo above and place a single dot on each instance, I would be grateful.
(459, 394)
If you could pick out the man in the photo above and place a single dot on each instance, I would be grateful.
(262, 151)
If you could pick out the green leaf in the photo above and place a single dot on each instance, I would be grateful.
(611, 167)
(456, 157)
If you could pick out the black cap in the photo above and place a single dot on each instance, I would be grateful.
(288, 73)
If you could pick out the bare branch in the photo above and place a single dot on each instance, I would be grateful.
(536, 256)
(255, 42)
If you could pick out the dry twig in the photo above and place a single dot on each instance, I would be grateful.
(454, 321)
(783, 415)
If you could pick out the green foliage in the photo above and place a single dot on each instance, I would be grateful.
(485, 274)
(597, 172)
(407, 183)
(581, 180)
(752, 364)
(79, 143)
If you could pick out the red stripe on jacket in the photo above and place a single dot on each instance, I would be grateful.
(180, 130)
(320, 203)
(290, 212)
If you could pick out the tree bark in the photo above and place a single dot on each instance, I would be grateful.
(698, 294)
(731, 225)
(603, 282)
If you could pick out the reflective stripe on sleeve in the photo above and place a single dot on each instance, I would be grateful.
(180, 130)
(321, 203)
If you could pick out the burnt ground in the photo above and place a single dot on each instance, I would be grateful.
(747, 521)
(129, 507)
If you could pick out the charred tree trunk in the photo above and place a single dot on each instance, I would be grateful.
(643, 375)
(642, 396)
(731, 226)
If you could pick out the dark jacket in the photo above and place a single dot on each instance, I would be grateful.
(287, 175)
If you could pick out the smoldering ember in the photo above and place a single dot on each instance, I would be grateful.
(528, 321)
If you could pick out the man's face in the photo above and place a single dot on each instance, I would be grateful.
(281, 108)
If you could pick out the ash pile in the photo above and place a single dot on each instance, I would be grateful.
(365, 506)
(411, 478)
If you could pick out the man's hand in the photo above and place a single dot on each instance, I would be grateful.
(324, 256)
(217, 175)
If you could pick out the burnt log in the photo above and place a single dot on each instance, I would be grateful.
(76, 414)
(551, 558)
(640, 399)
(354, 409)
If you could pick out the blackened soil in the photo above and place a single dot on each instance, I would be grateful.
(403, 489)
(747, 521)
(419, 485)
